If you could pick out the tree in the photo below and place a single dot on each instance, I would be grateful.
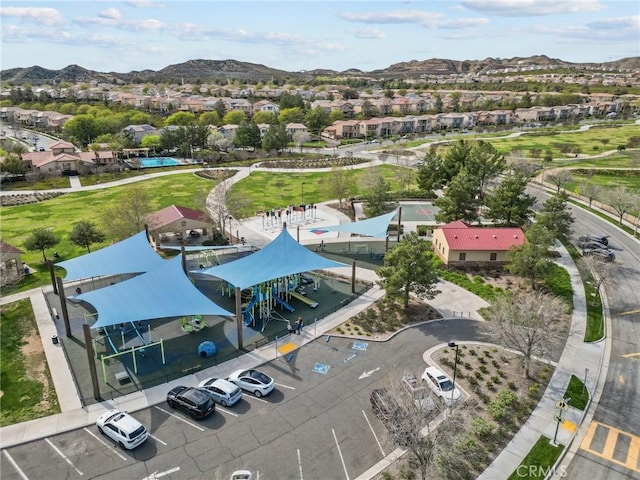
(41, 239)
(181, 118)
(409, 269)
(316, 119)
(209, 118)
(377, 200)
(248, 135)
(461, 200)
(485, 162)
(531, 259)
(84, 233)
(275, 138)
(508, 204)
(300, 138)
(429, 176)
(13, 164)
(560, 179)
(234, 117)
(126, 219)
(555, 216)
(264, 116)
(591, 191)
(338, 184)
(152, 142)
(621, 200)
(291, 115)
(527, 322)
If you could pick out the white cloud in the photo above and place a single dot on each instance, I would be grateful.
(42, 16)
(110, 13)
(632, 22)
(426, 19)
(522, 8)
(367, 33)
(196, 32)
(142, 3)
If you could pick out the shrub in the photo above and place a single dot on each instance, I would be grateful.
(467, 365)
(495, 364)
(477, 374)
(472, 352)
(482, 361)
(487, 354)
(481, 427)
(542, 376)
(483, 369)
(500, 408)
(512, 386)
(489, 385)
(473, 382)
(478, 279)
(534, 389)
(501, 373)
(495, 379)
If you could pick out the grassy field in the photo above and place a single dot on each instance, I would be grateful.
(538, 461)
(27, 388)
(59, 214)
(267, 190)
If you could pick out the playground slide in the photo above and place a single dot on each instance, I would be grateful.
(115, 350)
(248, 318)
(303, 299)
(283, 303)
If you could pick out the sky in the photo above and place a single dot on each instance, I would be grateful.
(123, 36)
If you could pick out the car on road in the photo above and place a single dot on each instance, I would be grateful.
(196, 402)
(601, 254)
(593, 245)
(253, 381)
(223, 391)
(603, 239)
(122, 428)
(441, 385)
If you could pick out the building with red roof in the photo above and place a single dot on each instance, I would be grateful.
(179, 222)
(459, 244)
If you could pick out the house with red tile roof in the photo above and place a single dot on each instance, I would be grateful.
(179, 222)
(461, 245)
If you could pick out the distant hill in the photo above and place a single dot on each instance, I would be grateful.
(230, 70)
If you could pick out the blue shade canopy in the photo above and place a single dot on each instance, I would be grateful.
(133, 255)
(371, 227)
(163, 292)
(283, 256)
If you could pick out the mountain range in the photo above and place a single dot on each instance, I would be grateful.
(231, 70)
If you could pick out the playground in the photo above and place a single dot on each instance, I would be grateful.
(137, 355)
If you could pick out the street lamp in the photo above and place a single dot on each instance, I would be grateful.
(453, 344)
(230, 228)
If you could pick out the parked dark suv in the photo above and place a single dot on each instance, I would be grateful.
(196, 402)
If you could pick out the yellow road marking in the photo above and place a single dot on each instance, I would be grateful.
(631, 461)
(569, 425)
(286, 348)
(586, 443)
(610, 443)
(629, 355)
(630, 312)
(621, 379)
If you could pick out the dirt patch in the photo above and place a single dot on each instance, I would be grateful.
(36, 368)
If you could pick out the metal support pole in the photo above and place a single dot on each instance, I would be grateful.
(239, 317)
(53, 277)
(92, 364)
(63, 307)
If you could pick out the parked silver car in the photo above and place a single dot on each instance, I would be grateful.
(600, 254)
(223, 391)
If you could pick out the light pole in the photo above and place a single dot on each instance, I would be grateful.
(453, 344)
(230, 228)
(302, 193)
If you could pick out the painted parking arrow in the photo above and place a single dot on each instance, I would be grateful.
(157, 474)
(368, 374)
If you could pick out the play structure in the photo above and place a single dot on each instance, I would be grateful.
(208, 258)
(192, 324)
(260, 302)
(123, 340)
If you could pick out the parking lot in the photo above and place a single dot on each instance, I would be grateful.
(316, 424)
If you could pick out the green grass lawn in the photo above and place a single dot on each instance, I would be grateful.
(25, 397)
(577, 393)
(267, 190)
(538, 461)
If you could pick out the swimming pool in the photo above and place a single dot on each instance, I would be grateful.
(158, 162)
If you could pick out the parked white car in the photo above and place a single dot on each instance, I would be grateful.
(441, 385)
(122, 428)
(241, 475)
(223, 391)
(253, 381)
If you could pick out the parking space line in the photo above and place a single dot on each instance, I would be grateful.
(228, 412)
(253, 397)
(300, 465)
(374, 433)
(110, 447)
(158, 440)
(285, 386)
(15, 465)
(181, 419)
(344, 466)
(59, 452)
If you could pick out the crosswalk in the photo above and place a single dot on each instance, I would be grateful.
(612, 444)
